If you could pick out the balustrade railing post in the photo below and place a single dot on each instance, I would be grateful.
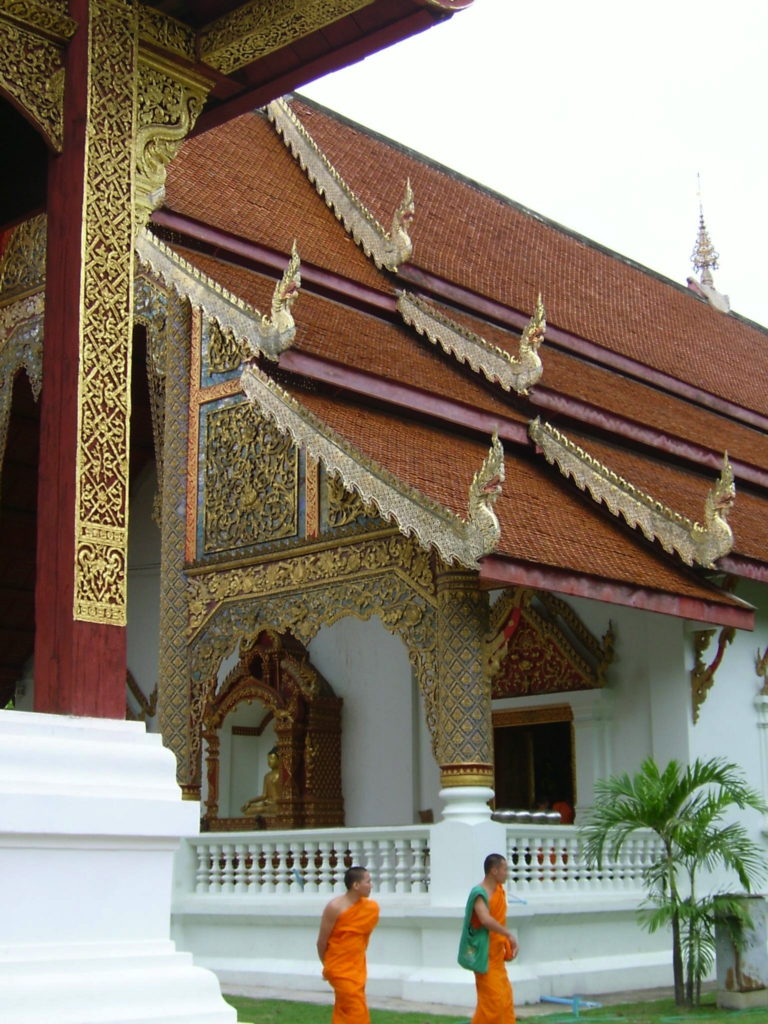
(325, 871)
(402, 866)
(310, 870)
(214, 875)
(202, 875)
(268, 869)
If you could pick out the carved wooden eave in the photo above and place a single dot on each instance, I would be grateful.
(694, 543)
(259, 334)
(388, 249)
(538, 644)
(514, 373)
(432, 525)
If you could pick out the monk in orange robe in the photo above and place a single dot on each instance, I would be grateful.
(345, 928)
(494, 992)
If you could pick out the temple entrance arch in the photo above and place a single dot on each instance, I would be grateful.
(296, 708)
(389, 577)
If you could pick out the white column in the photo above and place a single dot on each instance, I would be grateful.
(90, 817)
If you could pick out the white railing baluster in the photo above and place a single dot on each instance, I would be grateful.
(402, 867)
(310, 870)
(203, 874)
(267, 868)
(325, 876)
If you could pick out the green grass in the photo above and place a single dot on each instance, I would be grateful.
(276, 1011)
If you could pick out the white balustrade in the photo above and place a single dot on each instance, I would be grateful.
(551, 860)
(291, 863)
(543, 859)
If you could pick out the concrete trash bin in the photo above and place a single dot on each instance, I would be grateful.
(742, 972)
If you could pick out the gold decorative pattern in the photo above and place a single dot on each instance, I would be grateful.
(250, 481)
(260, 27)
(311, 496)
(32, 74)
(390, 577)
(514, 373)
(101, 506)
(537, 644)
(761, 667)
(464, 733)
(343, 507)
(49, 18)
(169, 102)
(22, 265)
(693, 542)
(147, 705)
(21, 347)
(415, 514)
(166, 33)
(389, 249)
(267, 335)
(703, 676)
(224, 351)
(173, 672)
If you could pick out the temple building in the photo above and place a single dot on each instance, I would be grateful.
(437, 511)
(96, 98)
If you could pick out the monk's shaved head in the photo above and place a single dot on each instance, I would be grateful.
(492, 861)
(355, 874)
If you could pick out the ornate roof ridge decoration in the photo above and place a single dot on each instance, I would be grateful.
(567, 641)
(388, 249)
(518, 373)
(694, 543)
(267, 335)
(416, 515)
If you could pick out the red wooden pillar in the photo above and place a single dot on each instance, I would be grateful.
(80, 666)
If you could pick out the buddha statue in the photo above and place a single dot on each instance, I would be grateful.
(267, 802)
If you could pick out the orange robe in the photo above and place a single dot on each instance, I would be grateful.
(494, 992)
(344, 963)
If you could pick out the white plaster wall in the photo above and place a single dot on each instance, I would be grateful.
(243, 759)
(143, 633)
(729, 719)
(428, 775)
(369, 668)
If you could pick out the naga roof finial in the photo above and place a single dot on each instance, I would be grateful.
(483, 492)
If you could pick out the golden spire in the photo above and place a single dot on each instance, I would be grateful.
(704, 256)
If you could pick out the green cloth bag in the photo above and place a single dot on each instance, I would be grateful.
(474, 942)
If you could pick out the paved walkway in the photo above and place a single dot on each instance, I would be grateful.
(522, 1012)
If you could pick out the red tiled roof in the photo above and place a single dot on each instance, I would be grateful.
(493, 247)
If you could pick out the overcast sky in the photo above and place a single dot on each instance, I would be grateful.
(598, 115)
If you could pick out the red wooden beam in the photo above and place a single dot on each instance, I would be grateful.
(79, 666)
(403, 396)
(504, 572)
(504, 316)
(294, 77)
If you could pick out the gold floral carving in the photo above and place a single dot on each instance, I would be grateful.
(416, 515)
(32, 74)
(537, 644)
(387, 249)
(343, 507)
(260, 27)
(693, 542)
(514, 373)
(21, 347)
(147, 705)
(761, 668)
(268, 335)
(311, 497)
(702, 675)
(389, 577)
(49, 18)
(169, 101)
(224, 351)
(165, 32)
(464, 732)
(22, 265)
(250, 481)
(174, 694)
(101, 509)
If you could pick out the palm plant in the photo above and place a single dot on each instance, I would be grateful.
(686, 808)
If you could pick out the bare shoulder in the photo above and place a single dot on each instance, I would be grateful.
(334, 908)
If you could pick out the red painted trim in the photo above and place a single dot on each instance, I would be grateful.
(260, 258)
(293, 78)
(749, 568)
(253, 256)
(402, 395)
(496, 571)
(696, 454)
(79, 666)
(475, 303)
